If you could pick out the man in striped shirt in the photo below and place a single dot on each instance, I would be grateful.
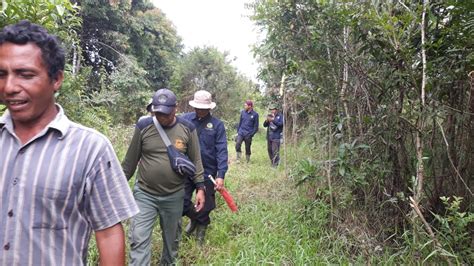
(59, 181)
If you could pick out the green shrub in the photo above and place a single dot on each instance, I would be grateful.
(454, 229)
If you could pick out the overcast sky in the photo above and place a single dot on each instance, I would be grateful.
(220, 23)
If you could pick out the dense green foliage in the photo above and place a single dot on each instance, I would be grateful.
(119, 53)
(355, 71)
(206, 68)
(133, 50)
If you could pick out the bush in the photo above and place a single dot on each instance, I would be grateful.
(454, 229)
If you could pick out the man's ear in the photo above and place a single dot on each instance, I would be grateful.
(58, 81)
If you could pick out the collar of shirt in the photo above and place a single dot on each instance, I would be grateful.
(202, 118)
(60, 123)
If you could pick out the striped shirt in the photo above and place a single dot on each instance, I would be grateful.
(55, 190)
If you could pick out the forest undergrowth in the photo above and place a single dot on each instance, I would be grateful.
(278, 222)
(281, 223)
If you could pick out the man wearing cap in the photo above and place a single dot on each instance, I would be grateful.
(274, 125)
(248, 126)
(158, 190)
(213, 143)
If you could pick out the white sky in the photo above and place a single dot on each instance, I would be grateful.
(220, 23)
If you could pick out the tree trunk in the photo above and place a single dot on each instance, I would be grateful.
(469, 153)
(76, 60)
(329, 164)
(294, 118)
(345, 80)
(420, 171)
(285, 116)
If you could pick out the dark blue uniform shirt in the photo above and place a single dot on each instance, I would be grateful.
(275, 128)
(213, 142)
(248, 124)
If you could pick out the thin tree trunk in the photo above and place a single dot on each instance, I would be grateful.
(421, 119)
(329, 163)
(76, 62)
(470, 139)
(345, 80)
(285, 127)
(294, 128)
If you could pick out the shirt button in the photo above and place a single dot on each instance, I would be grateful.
(7, 246)
(15, 180)
(10, 213)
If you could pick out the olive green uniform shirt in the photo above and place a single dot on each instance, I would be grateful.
(148, 151)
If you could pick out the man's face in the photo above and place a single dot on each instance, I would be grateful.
(25, 87)
(246, 106)
(166, 119)
(201, 113)
(274, 111)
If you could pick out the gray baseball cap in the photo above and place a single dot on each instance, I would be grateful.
(164, 101)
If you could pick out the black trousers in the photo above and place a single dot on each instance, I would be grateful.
(273, 148)
(248, 143)
(201, 217)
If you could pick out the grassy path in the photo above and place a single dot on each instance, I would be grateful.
(275, 224)
(270, 225)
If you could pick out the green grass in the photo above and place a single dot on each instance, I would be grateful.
(269, 227)
(276, 223)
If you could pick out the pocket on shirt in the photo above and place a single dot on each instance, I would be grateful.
(209, 137)
(51, 210)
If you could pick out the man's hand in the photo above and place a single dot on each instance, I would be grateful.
(219, 183)
(270, 118)
(200, 199)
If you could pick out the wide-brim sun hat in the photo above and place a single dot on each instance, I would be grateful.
(202, 100)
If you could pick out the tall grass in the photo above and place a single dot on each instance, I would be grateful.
(272, 225)
(277, 222)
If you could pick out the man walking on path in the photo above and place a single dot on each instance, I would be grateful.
(248, 127)
(213, 143)
(158, 190)
(274, 125)
(59, 180)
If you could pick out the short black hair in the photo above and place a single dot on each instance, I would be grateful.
(24, 32)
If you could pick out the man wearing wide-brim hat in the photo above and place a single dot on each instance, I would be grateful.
(213, 143)
(274, 125)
